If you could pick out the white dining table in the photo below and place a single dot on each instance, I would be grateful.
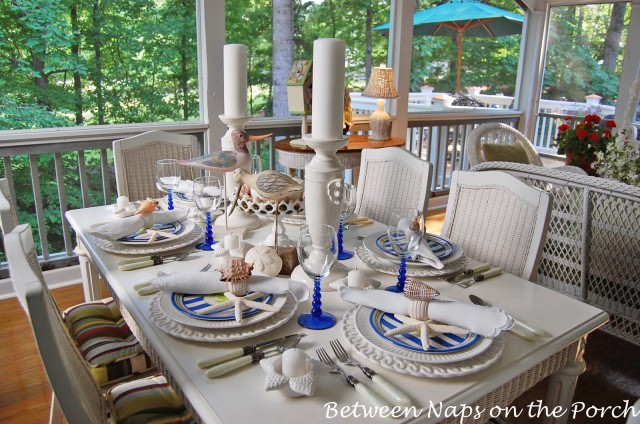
(240, 397)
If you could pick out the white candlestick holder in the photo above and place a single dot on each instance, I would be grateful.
(323, 183)
(237, 219)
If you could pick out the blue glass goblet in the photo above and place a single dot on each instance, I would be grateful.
(168, 178)
(348, 205)
(317, 254)
(206, 195)
(405, 232)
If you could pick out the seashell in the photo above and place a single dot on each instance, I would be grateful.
(235, 271)
(265, 260)
(147, 207)
(418, 290)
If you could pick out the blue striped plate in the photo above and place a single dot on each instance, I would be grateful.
(440, 247)
(191, 304)
(381, 322)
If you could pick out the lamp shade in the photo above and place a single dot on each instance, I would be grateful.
(381, 84)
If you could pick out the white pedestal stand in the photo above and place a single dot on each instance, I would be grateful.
(324, 179)
(303, 133)
(283, 239)
(238, 219)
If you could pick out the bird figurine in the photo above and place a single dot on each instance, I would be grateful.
(225, 160)
(272, 185)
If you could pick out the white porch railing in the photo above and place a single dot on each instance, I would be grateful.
(51, 175)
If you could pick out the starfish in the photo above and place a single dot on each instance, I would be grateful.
(412, 325)
(238, 302)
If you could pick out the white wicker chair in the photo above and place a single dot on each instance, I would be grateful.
(135, 161)
(499, 219)
(75, 391)
(498, 133)
(8, 215)
(390, 178)
(592, 251)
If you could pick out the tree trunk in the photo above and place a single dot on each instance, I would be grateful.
(75, 53)
(184, 77)
(97, 48)
(282, 54)
(368, 50)
(611, 45)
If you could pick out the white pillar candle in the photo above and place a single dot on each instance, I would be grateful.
(235, 80)
(294, 362)
(327, 100)
(231, 241)
(357, 278)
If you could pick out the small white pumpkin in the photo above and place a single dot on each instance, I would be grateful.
(265, 260)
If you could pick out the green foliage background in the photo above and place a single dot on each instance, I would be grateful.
(88, 62)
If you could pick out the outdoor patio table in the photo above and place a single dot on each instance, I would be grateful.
(240, 398)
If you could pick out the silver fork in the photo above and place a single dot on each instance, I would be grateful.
(365, 391)
(391, 391)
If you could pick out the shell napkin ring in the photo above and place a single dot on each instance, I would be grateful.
(419, 295)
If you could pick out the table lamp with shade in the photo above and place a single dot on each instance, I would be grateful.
(381, 86)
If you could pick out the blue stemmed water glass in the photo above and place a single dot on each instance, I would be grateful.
(168, 178)
(405, 232)
(207, 193)
(348, 205)
(317, 253)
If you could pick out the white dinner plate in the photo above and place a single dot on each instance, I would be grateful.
(192, 234)
(168, 307)
(446, 250)
(214, 335)
(415, 363)
(165, 232)
(389, 267)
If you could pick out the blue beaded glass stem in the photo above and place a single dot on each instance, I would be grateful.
(209, 236)
(170, 199)
(342, 254)
(316, 303)
(402, 274)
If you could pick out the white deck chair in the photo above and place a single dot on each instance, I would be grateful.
(499, 219)
(390, 178)
(75, 391)
(498, 133)
(135, 161)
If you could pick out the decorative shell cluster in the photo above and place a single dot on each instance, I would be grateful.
(147, 207)
(236, 270)
(253, 203)
(418, 290)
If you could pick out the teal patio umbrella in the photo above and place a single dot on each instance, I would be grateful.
(469, 18)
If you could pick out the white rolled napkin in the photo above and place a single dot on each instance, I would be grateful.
(209, 282)
(482, 320)
(123, 227)
(185, 187)
(424, 254)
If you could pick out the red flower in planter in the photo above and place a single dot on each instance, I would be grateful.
(585, 138)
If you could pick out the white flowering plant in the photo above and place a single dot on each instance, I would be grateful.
(621, 160)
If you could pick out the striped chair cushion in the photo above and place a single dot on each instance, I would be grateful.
(148, 400)
(105, 341)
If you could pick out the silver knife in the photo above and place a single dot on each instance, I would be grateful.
(455, 278)
(260, 353)
(480, 277)
(246, 350)
(145, 261)
(519, 325)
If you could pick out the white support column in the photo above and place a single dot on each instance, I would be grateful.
(400, 51)
(211, 39)
(631, 62)
(89, 272)
(533, 51)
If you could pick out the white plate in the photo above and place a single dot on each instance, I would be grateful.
(168, 308)
(389, 267)
(143, 237)
(370, 244)
(188, 238)
(412, 367)
(187, 332)
(362, 323)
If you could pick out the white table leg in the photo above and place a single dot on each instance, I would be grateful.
(90, 276)
(562, 385)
